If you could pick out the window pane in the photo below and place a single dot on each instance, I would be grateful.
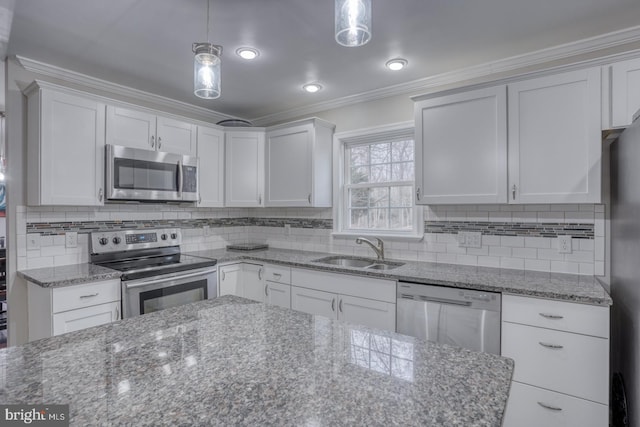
(359, 174)
(380, 153)
(402, 151)
(359, 155)
(380, 173)
(359, 197)
(379, 197)
(401, 218)
(402, 171)
(379, 218)
(402, 196)
(359, 218)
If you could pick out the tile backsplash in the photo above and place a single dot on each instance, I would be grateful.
(513, 236)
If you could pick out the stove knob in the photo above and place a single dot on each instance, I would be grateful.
(163, 237)
(103, 241)
(174, 236)
(116, 240)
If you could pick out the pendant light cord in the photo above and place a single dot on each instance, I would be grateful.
(208, 6)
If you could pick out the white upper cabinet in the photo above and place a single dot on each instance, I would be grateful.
(145, 130)
(244, 167)
(211, 172)
(625, 93)
(463, 154)
(298, 164)
(65, 149)
(555, 138)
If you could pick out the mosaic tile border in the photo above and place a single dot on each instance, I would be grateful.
(57, 228)
(522, 229)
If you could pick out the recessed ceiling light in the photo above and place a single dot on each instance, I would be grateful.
(248, 53)
(312, 87)
(396, 64)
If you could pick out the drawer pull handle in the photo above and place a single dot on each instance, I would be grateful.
(551, 346)
(277, 275)
(551, 316)
(552, 408)
(89, 296)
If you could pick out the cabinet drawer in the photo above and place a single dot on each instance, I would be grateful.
(86, 295)
(569, 363)
(83, 318)
(563, 316)
(277, 273)
(530, 406)
(358, 286)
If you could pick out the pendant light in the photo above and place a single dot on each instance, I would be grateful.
(206, 67)
(353, 22)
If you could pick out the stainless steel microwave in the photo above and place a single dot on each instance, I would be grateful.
(144, 175)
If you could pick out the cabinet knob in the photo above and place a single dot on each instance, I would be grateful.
(153, 142)
(513, 191)
(340, 305)
(418, 194)
(260, 274)
(266, 290)
(100, 195)
(159, 143)
(260, 199)
(222, 273)
(547, 406)
(333, 304)
(309, 198)
(117, 313)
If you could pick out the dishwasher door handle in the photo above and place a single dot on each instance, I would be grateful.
(438, 300)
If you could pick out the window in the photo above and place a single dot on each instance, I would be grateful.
(377, 184)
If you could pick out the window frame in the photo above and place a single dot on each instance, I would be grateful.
(385, 133)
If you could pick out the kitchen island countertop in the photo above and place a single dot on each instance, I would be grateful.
(229, 361)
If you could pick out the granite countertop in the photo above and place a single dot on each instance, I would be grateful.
(230, 361)
(559, 286)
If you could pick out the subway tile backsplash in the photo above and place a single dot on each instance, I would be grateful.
(513, 236)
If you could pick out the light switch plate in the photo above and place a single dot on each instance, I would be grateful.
(287, 229)
(33, 241)
(71, 239)
(564, 244)
(206, 230)
(470, 239)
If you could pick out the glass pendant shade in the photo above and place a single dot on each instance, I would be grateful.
(353, 22)
(206, 70)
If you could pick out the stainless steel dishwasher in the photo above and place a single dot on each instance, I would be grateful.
(461, 317)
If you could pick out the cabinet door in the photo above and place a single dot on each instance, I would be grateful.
(253, 282)
(289, 166)
(211, 170)
(175, 136)
(461, 148)
(131, 128)
(278, 294)
(244, 174)
(625, 92)
(82, 318)
(555, 139)
(376, 314)
(71, 150)
(314, 302)
(230, 280)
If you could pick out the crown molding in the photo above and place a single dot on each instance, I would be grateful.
(514, 66)
(94, 83)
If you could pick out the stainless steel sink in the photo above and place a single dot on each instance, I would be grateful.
(364, 263)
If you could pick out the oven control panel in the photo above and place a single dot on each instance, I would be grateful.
(125, 240)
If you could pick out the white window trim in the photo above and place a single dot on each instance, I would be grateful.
(367, 135)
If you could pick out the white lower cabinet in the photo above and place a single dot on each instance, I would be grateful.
(253, 281)
(55, 311)
(229, 280)
(561, 355)
(247, 280)
(339, 296)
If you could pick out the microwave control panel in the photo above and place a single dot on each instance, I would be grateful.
(190, 182)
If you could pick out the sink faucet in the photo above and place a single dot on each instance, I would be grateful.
(378, 249)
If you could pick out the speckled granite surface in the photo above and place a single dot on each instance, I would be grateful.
(232, 362)
(68, 275)
(568, 287)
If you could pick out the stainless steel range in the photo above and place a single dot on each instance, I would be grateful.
(155, 275)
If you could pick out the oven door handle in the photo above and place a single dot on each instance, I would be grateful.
(137, 284)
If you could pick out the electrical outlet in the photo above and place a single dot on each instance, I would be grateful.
(33, 241)
(71, 239)
(206, 230)
(287, 229)
(564, 244)
(470, 239)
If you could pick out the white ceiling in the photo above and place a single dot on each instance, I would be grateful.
(146, 44)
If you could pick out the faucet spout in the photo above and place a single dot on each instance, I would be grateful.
(377, 248)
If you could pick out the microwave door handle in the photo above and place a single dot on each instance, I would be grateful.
(180, 179)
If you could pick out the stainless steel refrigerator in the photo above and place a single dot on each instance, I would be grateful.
(625, 271)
